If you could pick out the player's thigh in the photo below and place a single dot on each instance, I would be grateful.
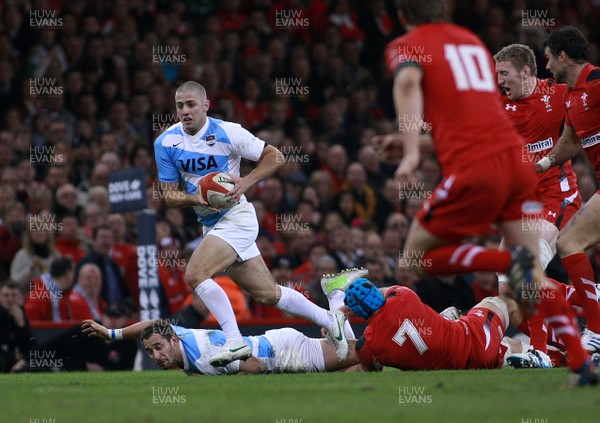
(418, 241)
(253, 276)
(516, 233)
(467, 203)
(212, 256)
(583, 229)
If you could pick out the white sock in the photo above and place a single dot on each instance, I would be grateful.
(546, 253)
(336, 301)
(218, 304)
(295, 303)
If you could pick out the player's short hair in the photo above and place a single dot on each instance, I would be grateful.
(418, 13)
(570, 40)
(519, 55)
(190, 86)
(160, 327)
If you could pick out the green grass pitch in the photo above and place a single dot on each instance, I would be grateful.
(508, 395)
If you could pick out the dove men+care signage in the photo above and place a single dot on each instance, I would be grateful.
(127, 190)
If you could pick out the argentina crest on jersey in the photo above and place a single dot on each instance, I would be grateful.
(211, 139)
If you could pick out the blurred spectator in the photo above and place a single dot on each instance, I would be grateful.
(445, 291)
(358, 237)
(485, 284)
(335, 164)
(271, 193)
(99, 176)
(16, 338)
(66, 200)
(84, 299)
(346, 207)
(69, 243)
(171, 273)
(99, 195)
(93, 217)
(377, 273)
(388, 202)
(47, 300)
(11, 234)
(36, 255)
(305, 272)
(181, 231)
(404, 277)
(365, 200)
(323, 184)
(341, 249)
(114, 288)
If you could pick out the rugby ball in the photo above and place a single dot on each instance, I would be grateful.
(214, 188)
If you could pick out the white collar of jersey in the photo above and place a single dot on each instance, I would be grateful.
(198, 135)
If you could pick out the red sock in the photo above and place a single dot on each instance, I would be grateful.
(572, 297)
(581, 273)
(558, 315)
(538, 334)
(465, 258)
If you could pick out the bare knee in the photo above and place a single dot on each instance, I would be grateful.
(268, 296)
(194, 277)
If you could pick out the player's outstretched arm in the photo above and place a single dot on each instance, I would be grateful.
(270, 160)
(408, 101)
(566, 147)
(93, 328)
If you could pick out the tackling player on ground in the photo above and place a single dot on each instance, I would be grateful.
(405, 333)
(450, 83)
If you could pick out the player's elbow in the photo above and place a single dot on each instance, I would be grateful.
(279, 158)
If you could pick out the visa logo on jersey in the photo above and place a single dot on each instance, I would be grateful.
(198, 164)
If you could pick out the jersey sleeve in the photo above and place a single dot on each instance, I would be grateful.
(398, 55)
(244, 143)
(365, 356)
(167, 172)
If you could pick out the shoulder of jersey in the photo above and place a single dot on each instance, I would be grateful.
(594, 75)
(226, 124)
(170, 136)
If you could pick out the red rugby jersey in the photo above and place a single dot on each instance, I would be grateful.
(408, 334)
(461, 97)
(539, 119)
(583, 113)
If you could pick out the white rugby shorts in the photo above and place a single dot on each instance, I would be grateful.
(238, 228)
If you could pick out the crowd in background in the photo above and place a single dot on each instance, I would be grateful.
(86, 87)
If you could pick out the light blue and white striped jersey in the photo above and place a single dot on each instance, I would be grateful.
(199, 345)
(217, 147)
